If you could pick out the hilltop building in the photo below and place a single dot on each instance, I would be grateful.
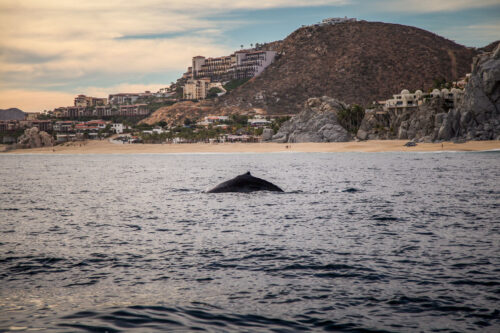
(88, 101)
(336, 20)
(128, 98)
(207, 73)
(241, 64)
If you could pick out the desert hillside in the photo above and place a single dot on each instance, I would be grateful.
(355, 62)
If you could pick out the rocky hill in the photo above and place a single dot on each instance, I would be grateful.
(11, 114)
(177, 113)
(355, 62)
(476, 115)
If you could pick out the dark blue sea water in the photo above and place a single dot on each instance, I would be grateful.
(360, 242)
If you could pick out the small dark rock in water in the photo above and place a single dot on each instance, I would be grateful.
(410, 144)
(245, 183)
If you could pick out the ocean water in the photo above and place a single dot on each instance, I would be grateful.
(359, 242)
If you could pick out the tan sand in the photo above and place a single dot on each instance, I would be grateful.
(105, 147)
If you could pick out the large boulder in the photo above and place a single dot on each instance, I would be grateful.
(34, 138)
(317, 122)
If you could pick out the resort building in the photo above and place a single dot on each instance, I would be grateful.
(64, 126)
(32, 115)
(87, 101)
(337, 20)
(198, 89)
(8, 125)
(12, 125)
(92, 125)
(259, 122)
(211, 120)
(118, 128)
(127, 98)
(206, 73)
(72, 112)
(407, 101)
(104, 111)
(133, 110)
(241, 64)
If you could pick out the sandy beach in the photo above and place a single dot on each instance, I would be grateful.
(106, 147)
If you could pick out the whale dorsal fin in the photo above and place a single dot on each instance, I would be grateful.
(248, 173)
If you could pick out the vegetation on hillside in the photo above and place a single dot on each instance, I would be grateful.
(213, 92)
(233, 84)
(350, 118)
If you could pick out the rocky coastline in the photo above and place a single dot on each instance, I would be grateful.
(475, 116)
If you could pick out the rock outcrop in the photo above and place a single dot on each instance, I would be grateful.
(475, 116)
(34, 138)
(317, 122)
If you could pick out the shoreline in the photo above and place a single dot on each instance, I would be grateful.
(106, 147)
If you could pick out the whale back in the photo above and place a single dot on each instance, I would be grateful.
(245, 183)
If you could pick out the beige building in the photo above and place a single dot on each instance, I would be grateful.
(241, 64)
(198, 89)
(87, 101)
(407, 101)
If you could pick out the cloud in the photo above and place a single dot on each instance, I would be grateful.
(34, 101)
(59, 42)
(428, 6)
(40, 100)
(78, 46)
(478, 35)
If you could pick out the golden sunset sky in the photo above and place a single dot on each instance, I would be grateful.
(52, 50)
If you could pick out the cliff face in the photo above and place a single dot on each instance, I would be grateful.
(317, 122)
(356, 62)
(475, 117)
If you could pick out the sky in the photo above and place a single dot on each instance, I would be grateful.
(52, 50)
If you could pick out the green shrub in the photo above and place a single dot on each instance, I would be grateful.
(350, 118)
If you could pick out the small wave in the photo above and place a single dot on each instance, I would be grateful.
(477, 283)
(183, 190)
(200, 317)
(384, 218)
(351, 190)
